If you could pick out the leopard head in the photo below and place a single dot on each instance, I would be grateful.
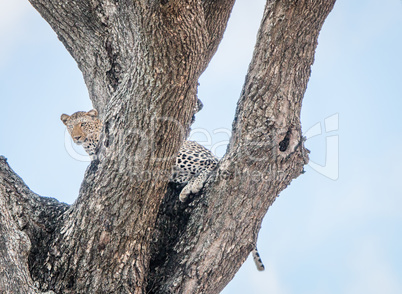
(84, 128)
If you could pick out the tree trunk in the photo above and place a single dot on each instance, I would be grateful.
(127, 232)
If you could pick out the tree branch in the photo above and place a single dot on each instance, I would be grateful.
(141, 62)
(27, 224)
(31, 212)
(265, 153)
(217, 13)
(101, 36)
(110, 226)
(82, 28)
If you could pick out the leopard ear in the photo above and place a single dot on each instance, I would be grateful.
(93, 112)
(64, 118)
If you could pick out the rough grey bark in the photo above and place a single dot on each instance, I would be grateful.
(27, 222)
(127, 231)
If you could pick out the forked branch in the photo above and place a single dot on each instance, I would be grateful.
(141, 64)
(265, 153)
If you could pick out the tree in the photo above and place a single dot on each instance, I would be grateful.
(127, 231)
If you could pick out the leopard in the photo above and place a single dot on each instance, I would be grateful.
(194, 163)
(84, 128)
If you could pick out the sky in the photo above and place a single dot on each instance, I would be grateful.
(338, 227)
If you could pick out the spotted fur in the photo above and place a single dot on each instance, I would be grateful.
(193, 165)
(257, 259)
(84, 128)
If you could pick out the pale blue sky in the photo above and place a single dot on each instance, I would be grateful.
(321, 235)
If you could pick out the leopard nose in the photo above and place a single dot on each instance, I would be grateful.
(76, 138)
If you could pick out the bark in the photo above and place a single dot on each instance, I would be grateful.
(26, 224)
(127, 231)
